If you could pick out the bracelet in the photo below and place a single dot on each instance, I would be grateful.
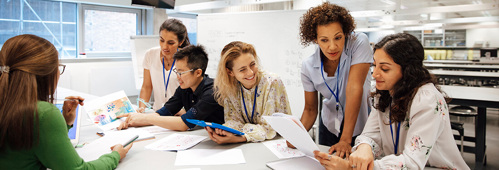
(139, 100)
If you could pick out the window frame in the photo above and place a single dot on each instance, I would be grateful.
(59, 40)
(81, 29)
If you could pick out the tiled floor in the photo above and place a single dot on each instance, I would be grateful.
(492, 139)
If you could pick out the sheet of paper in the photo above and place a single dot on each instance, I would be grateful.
(209, 157)
(143, 135)
(281, 150)
(101, 146)
(155, 130)
(103, 110)
(176, 142)
(293, 132)
(299, 163)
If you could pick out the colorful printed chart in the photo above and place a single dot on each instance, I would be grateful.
(104, 110)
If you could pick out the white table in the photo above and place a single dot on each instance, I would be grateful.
(482, 98)
(255, 154)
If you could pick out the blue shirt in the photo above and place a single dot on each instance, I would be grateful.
(356, 51)
(200, 104)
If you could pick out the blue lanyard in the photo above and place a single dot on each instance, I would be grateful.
(336, 95)
(168, 81)
(244, 103)
(395, 144)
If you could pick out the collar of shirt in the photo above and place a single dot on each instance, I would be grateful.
(202, 85)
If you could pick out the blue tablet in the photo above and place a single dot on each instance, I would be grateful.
(214, 125)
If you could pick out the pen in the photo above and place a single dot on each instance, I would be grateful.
(133, 139)
(73, 99)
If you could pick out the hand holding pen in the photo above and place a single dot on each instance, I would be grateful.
(69, 108)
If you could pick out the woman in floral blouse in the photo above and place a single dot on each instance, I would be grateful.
(247, 93)
(410, 126)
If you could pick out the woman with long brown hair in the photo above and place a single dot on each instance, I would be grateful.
(409, 127)
(33, 134)
(159, 64)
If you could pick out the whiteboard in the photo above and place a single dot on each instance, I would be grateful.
(275, 36)
(140, 45)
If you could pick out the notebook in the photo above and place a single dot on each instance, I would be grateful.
(74, 132)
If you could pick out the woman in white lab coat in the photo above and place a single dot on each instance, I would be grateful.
(410, 126)
(159, 63)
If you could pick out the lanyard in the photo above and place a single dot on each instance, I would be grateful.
(167, 81)
(254, 104)
(395, 144)
(336, 95)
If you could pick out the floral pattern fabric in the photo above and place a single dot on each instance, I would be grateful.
(426, 138)
(271, 98)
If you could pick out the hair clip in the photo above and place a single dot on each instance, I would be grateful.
(4, 69)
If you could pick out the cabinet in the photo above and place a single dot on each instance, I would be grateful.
(455, 38)
(440, 37)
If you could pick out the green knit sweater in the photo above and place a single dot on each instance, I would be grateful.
(54, 150)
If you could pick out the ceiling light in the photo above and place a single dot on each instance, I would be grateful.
(389, 2)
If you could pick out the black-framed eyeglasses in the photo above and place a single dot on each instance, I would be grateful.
(181, 73)
(62, 67)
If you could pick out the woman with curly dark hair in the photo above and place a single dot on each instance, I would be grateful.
(410, 126)
(339, 71)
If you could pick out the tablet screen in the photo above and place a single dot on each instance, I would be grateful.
(72, 131)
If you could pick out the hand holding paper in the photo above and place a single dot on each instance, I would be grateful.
(294, 132)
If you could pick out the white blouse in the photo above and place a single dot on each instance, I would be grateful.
(426, 137)
(153, 63)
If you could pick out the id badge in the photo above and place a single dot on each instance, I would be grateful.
(337, 120)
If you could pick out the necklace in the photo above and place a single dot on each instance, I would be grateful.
(167, 64)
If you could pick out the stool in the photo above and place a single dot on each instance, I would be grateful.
(459, 127)
(461, 111)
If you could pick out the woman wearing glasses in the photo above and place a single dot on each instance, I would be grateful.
(247, 93)
(159, 63)
(33, 133)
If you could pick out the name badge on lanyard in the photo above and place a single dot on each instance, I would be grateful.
(254, 104)
(394, 141)
(167, 81)
(339, 107)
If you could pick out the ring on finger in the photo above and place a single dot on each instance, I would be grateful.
(354, 166)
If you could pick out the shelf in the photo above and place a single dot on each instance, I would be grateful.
(451, 48)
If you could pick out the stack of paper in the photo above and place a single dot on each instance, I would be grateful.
(176, 142)
(293, 131)
(155, 130)
(143, 135)
(281, 149)
(101, 146)
(304, 162)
